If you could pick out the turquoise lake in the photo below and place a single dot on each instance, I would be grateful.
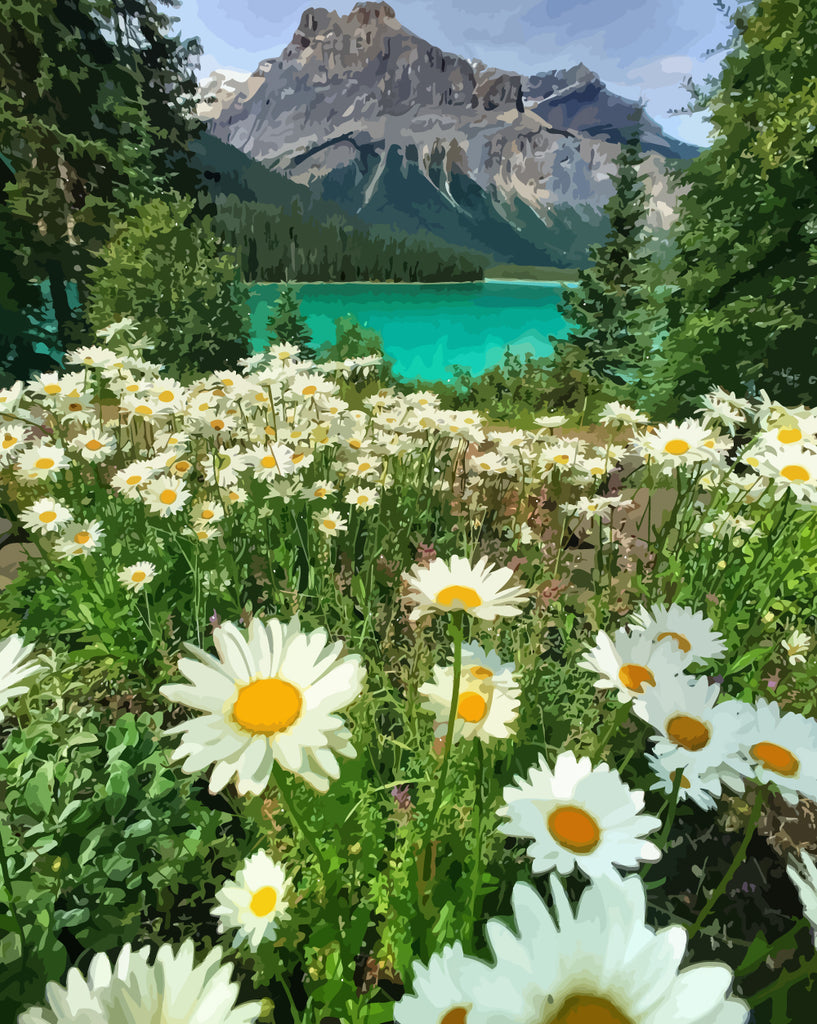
(427, 328)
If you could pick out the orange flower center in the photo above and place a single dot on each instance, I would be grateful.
(355, 444)
(48, 517)
(93, 445)
(267, 706)
(789, 435)
(182, 466)
(683, 644)
(143, 410)
(676, 447)
(217, 424)
(320, 492)
(574, 829)
(775, 758)
(363, 499)
(481, 672)
(139, 576)
(685, 783)
(581, 1009)
(466, 597)
(52, 389)
(268, 462)
(471, 707)
(456, 1016)
(44, 463)
(133, 480)
(167, 497)
(82, 537)
(795, 473)
(207, 513)
(263, 901)
(689, 733)
(633, 677)
(8, 441)
(310, 389)
(166, 396)
(329, 524)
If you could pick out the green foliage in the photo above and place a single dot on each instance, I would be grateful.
(167, 269)
(286, 325)
(614, 313)
(745, 309)
(353, 340)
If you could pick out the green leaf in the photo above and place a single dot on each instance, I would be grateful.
(38, 793)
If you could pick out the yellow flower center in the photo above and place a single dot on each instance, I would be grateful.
(263, 901)
(44, 463)
(8, 441)
(143, 410)
(457, 1015)
(182, 466)
(633, 677)
(82, 537)
(167, 497)
(310, 389)
(139, 576)
(133, 480)
(465, 596)
(581, 1009)
(363, 499)
(481, 672)
(676, 447)
(685, 783)
(354, 443)
(320, 492)
(217, 424)
(93, 445)
(207, 513)
(166, 396)
(561, 459)
(794, 473)
(789, 435)
(775, 758)
(471, 707)
(329, 524)
(364, 467)
(48, 517)
(268, 462)
(52, 389)
(574, 829)
(683, 644)
(689, 733)
(267, 706)
(132, 388)
(74, 406)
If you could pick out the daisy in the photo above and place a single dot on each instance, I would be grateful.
(132, 989)
(615, 414)
(272, 696)
(42, 462)
(579, 815)
(550, 422)
(797, 646)
(488, 666)
(485, 709)
(362, 497)
(694, 732)
(310, 385)
(45, 516)
(330, 522)
(132, 478)
(14, 668)
(368, 467)
(319, 490)
(284, 352)
(692, 634)
(671, 445)
(206, 533)
(256, 902)
(235, 496)
(792, 470)
(13, 440)
(223, 467)
(79, 539)
(165, 495)
(270, 462)
(632, 663)
(452, 586)
(206, 513)
(782, 750)
(587, 966)
(449, 989)
(134, 577)
(702, 790)
(803, 873)
(93, 356)
(94, 445)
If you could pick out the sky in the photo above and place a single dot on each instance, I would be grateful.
(642, 49)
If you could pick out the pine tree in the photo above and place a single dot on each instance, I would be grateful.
(286, 325)
(613, 312)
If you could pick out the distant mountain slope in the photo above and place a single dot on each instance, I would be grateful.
(393, 129)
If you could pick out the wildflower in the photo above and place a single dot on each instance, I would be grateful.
(79, 539)
(480, 590)
(14, 668)
(256, 902)
(94, 445)
(797, 646)
(674, 444)
(170, 988)
(449, 989)
(165, 495)
(578, 815)
(273, 696)
(45, 516)
(631, 663)
(42, 462)
(134, 577)
(362, 497)
(803, 873)
(782, 749)
(692, 634)
(702, 789)
(270, 462)
(615, 414)
(319, 490)
(330, 522)
(486, 705)
(129, 480)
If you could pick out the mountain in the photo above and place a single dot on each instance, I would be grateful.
(393, 129)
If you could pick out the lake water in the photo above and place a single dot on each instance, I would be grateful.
(427, 328)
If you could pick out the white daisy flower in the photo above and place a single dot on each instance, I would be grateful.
(362, 497)
(319, 490)
(132, 478)
(587, 966)
(272, 696)
(797, 646)
(45, 516)
(694, 732)
(578, 815)
(692, 634)
(616, 414)
(795, 471)
(79, 539)
(367, 466)
(631, 663)
(94, 356)
(782, 749)
(134, 577)
(671, 445)
(166, 495)
(223, 467)
(330, 522)
(256, 902)
(205, 513)
(452, 989)
(94, 445)
(42, 462)
(803, 873)
(271, 461)
(703, 790)
(15, 666)
(485, 709)
(134, 990)
(13, 439)
(480, 590)
(550, 422)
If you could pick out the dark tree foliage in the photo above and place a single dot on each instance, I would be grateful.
(744, 314)
(286, 324)
(613, 313)
(276, 242)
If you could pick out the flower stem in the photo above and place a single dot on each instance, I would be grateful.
(12, 906)
(737, 860)
(455, 632)
(672, 807)
(783, 983)
(616, 719)
(285, 793)
(476, 870)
